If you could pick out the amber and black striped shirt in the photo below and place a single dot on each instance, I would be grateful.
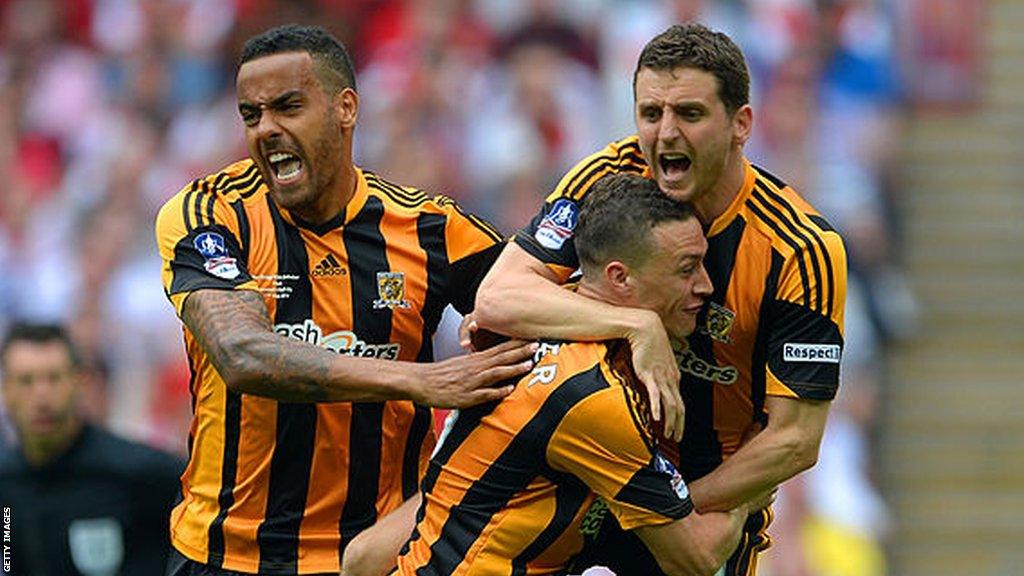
(774, 324)
(512, 484)
(278, 487)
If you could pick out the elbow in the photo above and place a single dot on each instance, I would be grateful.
(354, 562)
(802, 453)
(238, 365)
(491, 310)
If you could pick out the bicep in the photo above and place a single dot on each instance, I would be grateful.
(801, 418)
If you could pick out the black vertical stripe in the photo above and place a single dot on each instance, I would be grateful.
(229, 468)
(465, 423)
(509, 474)
(244, 233)
(186, 211)
(570, 496)
(210, 218)
(367, 255)
(430, 231)
(758, 363)
(413, 445)
(278, 534)
(797, 249)
(200, 202)
(762, 195)
(829, 277)
(700, 450)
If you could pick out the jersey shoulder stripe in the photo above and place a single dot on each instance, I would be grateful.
(805, 226)
(808, 249)
(404, 197)
(621, 156)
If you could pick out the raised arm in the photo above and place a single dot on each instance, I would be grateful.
(521, 297)
(234, 329)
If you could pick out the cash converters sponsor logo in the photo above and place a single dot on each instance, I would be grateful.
(343, 342)
(827, 353)
(691, 364)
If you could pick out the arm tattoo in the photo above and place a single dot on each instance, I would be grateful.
(234, 329)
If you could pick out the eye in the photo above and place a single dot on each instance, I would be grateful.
(250, 117)
(650, 114)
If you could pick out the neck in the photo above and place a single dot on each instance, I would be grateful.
(40, 451)
(712, 205)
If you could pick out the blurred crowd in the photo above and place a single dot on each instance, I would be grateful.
(108, 107)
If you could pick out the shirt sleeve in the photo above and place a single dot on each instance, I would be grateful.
(600, 442)
(805, 335)
(472, 245)
(549, 235)
(197, 236)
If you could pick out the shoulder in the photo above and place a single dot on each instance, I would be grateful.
(620, 156)
(129, 458)
(396, 196)
(793, 224)
(199, 201)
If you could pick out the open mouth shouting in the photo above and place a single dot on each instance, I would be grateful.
(674, 165)
(285, 166)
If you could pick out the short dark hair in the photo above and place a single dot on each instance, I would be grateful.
(696, 46)
(617, 217)
(333, 64)
(37, 334)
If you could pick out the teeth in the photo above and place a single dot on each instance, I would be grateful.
(279, 156)
(674, 156)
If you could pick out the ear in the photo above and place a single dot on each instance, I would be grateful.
(618, 276)
(346, 103)
(742, 123)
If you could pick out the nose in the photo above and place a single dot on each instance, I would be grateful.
(668, 129)
(703, 287)
(267, 127)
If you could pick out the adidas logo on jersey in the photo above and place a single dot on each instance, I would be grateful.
(329, 266)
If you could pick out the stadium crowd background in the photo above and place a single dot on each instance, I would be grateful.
(108, 107)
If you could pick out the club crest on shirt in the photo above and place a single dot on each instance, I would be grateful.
(217, 261)
(718, 324)
(390, 291)
(558, 224)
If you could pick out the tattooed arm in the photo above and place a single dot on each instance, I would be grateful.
(234, 329)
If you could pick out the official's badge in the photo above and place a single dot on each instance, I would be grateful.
(390, 291)
(96, 545)
(719, 322)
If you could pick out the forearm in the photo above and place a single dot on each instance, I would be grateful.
(235, 332)
(544, 310)
(375, 551)
(520, 297)
(293, 371)
(769, 459)
(697, 544)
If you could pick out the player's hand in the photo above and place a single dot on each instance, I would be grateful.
(469, 380)
(467, 328)
(655, 365)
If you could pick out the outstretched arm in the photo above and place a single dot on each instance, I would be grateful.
(520, 297)
(234, 329)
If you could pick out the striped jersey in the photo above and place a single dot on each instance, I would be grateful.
(774, 325)
(280, 487)
(512, 487)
